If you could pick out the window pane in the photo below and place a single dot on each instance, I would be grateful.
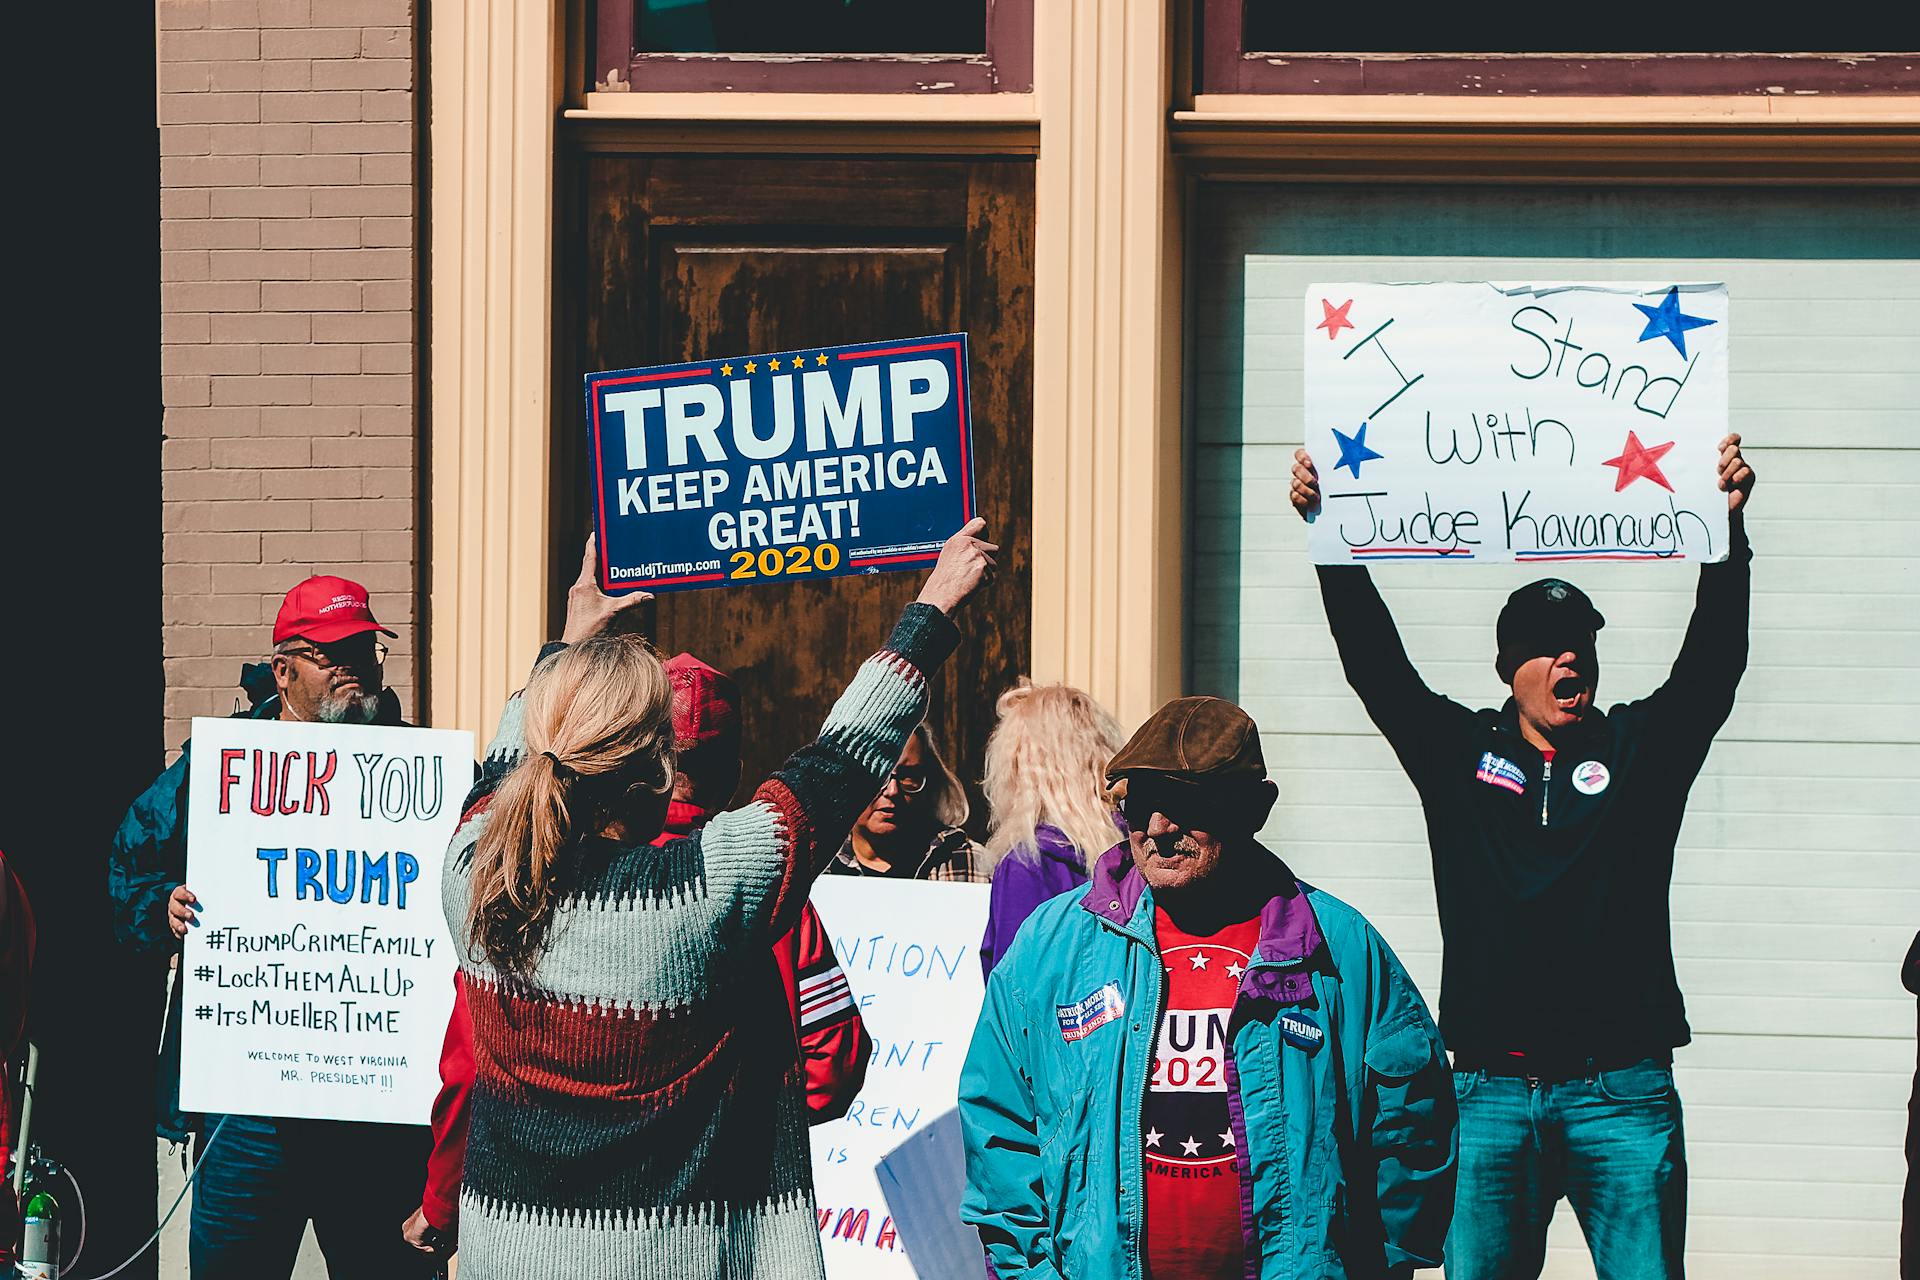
(811, 26)
(1505, 26)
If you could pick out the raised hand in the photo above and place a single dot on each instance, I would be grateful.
(589, 609)
(1305, 491)
(1736, 477)
(965, 563)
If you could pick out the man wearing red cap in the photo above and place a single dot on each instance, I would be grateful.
(833, 1042)
(265, 1177)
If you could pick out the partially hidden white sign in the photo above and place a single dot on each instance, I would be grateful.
(1476, 423)
(318, 981)
(911, 953)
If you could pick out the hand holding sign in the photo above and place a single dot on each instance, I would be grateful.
(965, 563)
(1305, 491)
(181, 915)
(1736, 477)
(589, 609)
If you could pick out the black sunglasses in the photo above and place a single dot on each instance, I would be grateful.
(340, 656)
(1196, 806)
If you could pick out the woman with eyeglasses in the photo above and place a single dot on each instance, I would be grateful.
(1046, 784)
(911, 831)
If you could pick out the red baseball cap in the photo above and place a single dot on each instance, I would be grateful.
(324, 609)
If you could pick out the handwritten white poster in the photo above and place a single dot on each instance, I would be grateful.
(318, 981)
(1476, 423)
(911, 953)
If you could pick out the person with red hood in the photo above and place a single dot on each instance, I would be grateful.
(832, 1039)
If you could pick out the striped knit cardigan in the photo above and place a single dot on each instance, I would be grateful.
(637, 1106)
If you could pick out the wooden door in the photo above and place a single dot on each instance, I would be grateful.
(683, 258)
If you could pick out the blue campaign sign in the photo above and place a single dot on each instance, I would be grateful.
(813, 463)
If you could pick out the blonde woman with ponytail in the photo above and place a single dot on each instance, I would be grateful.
(637, 1110)
(1046, 783)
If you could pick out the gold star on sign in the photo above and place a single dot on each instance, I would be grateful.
(821, 358)
(726, 371)
(751, 366)
(774, 364)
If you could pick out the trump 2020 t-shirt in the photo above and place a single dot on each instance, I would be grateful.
(1193, 1185)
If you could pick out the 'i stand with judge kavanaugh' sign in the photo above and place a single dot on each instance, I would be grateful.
(1517, 422)
(319, 979)
(816, 462)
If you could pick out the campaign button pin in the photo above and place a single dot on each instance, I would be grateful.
(1301, 1029)
(1590, 777)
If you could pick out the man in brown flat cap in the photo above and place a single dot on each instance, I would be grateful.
(1203, 1067)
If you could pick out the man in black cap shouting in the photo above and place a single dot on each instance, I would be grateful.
(1552, 829)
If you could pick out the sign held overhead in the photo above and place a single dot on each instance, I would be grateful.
(819, 462)
(1493, 423)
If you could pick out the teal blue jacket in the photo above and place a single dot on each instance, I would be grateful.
(1345, 1139)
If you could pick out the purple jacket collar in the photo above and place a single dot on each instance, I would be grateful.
(1290, 936)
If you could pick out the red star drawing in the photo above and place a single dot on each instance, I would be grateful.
(1336, 318)
(1636, 460)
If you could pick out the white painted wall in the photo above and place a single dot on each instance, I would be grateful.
(1797, 885)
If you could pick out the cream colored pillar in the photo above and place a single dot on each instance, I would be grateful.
(495, 92)
(1108, 533)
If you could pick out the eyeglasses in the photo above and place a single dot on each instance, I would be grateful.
(326, 661)
(911, 784)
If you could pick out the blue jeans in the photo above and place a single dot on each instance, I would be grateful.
(264, 1178)
(1611, 1144)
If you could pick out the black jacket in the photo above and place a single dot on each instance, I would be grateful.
(1552, 878)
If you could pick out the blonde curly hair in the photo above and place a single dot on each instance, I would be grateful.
(1046, 763)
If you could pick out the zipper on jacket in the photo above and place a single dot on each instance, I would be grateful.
(1546, 782)
(1140, 1113)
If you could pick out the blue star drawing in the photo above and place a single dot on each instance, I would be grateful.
(1353, 450)
(1669, 322)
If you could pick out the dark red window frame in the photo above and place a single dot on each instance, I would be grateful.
(1226, 68)
(1005, 67)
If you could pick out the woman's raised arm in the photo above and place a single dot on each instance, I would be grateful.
(772, 849)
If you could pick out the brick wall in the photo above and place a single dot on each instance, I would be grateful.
(287, 325)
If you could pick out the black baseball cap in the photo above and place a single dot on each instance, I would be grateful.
(1550, 616)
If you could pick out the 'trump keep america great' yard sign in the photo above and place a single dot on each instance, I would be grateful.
(1534, 422)
(818, 462)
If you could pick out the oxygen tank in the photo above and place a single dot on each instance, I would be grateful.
(40, 1242)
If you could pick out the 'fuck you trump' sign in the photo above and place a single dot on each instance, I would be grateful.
(319, 978)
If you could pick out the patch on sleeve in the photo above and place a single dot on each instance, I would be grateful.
(1082, 1018)
(824, 997)
(1499, 771)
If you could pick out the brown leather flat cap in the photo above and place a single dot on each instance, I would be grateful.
(1198, 739)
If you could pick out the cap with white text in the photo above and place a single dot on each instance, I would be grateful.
(325, 609)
